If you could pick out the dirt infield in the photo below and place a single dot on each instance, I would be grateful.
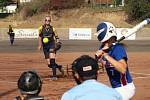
(13, 62)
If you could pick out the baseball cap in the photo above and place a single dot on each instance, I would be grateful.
(85, 66)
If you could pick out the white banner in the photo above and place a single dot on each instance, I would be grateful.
(80, 33)
(26, 33)
(122, 31)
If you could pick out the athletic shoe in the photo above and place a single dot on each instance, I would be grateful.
(53, 78)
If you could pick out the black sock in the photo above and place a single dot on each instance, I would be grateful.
(53, 65)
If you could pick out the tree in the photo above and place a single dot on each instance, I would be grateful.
(4, 2)
(117, 2)
(137, 9)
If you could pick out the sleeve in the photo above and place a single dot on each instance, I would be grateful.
(55, 33)
(66, 96)
(120, 53)
(40, 31)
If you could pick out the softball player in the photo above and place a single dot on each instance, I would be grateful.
(47, 39)
(115, 59)
(29, 85)
(11, 34)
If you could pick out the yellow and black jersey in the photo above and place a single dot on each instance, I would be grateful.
(49, 32)
(11, 32)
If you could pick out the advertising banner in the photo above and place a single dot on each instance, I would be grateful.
(80, 33)
(26, 33)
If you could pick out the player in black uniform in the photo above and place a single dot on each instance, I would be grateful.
(11, 34)
(48, 39)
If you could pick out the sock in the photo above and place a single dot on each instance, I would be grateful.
(53, 65)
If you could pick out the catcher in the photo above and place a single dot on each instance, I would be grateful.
(49, 41)
(29, 85)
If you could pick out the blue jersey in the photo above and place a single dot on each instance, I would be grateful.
(116, 78)
(91, 90)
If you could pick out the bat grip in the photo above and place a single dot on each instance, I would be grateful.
(122, 38)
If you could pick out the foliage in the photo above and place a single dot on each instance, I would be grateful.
(137, 9)
(4, 2)
(116, 2)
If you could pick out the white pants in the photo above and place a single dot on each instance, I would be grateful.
(127, 91)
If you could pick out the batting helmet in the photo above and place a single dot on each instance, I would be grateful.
(58, 46)
(29, 83)
(105, 31)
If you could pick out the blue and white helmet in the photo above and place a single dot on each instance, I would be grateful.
(105, 31)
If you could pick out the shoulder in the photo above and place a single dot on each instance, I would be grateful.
(40, 28)
(119, 47)
(119, 52)
(72, 92)
(110, 91)
(54, 29)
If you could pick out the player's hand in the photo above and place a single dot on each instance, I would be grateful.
(39, 47)
(101, 52)
(57, 40)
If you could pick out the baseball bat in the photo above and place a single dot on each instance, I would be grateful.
(134, 29)
(131, 32)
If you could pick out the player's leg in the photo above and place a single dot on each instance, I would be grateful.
(53, 64)
(127, 92)
(46, 54)
(12, 40)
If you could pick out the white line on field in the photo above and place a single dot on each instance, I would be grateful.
(140, 73)
(141, 77)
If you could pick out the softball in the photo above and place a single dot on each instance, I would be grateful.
(45, 40)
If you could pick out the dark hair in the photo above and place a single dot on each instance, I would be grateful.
(113, 39)
(86, 67)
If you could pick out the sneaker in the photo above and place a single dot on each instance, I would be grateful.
(53, 78)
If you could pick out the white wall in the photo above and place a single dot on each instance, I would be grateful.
(11, 8)
(23, 1)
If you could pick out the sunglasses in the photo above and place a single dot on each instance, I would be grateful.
(47, 20)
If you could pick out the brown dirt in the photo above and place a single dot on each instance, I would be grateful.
(68, 18)
(13, 64)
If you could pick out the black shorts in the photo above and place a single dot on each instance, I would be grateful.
(48, 48)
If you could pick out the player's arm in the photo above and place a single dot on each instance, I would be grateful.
(55, 35)
(40, 38)
(119, 65)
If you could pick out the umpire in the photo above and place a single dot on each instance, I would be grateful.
(85, 72)
(48, 39)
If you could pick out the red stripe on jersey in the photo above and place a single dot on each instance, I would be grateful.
(123, 80)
